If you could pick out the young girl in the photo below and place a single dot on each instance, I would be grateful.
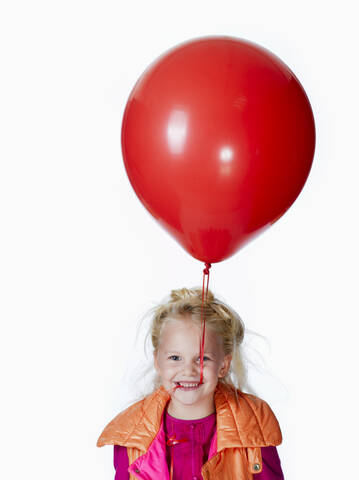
(188, 429)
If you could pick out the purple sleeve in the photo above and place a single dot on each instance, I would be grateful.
(120, 462)
(271, 468)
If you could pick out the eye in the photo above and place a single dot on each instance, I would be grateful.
(175, 358)
(204, 358)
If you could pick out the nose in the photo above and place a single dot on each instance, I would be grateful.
(190, 369)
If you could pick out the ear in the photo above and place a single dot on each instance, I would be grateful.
(226, 365)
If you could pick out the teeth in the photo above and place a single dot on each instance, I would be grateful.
(188, 384)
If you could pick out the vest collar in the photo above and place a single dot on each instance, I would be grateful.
(247, 423)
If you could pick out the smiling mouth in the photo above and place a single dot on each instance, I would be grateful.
(187, 385)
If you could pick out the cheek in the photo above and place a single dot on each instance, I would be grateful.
(167, 369)
(211, 369)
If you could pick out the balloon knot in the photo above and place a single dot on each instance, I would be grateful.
(172, 441)
(206, 270)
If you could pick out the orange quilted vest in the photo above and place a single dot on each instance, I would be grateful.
(243, 427)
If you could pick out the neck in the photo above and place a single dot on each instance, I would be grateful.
(190, 412)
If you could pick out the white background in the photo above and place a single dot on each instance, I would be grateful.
(82, 260)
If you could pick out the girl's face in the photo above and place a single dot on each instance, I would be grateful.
(177, 361)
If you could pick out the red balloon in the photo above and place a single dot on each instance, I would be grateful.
(218, 140)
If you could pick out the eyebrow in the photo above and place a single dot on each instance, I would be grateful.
(205, 353)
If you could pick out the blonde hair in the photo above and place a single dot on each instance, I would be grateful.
(219, 317)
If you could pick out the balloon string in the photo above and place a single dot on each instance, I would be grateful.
(203, 329)
(172, 440)
(203, 323)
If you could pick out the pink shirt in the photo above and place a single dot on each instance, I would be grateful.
(189, 456)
